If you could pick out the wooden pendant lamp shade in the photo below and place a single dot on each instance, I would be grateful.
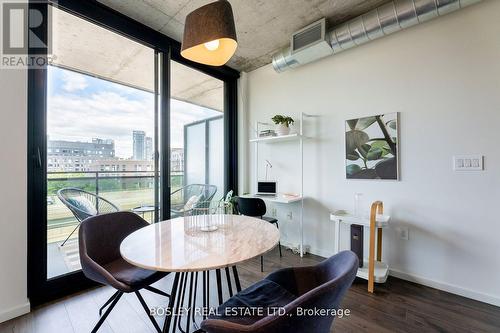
(210, 34)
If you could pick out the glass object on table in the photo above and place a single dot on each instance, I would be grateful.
(208, 215)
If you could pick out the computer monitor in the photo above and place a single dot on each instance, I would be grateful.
(266, 188)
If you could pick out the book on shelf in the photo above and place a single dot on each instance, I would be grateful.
(266, 133)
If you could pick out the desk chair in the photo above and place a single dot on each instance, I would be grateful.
(100, 237)
(320, 287)
(256, 207)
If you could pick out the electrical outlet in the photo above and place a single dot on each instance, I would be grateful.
(289, 216)
(274, 212)
(468, 163)
(404, 233)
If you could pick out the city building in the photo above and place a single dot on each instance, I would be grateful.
(77, 156)
(149, 148)
(139, 145)
(177, 159)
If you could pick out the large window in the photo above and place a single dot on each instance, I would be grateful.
(119, 121)
(100, 132)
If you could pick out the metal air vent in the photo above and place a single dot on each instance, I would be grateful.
(308, 36)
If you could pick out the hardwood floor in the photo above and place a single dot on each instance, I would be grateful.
(397, 306)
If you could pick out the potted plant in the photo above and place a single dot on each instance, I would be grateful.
(282, 124)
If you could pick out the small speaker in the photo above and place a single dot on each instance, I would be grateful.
(357, 242)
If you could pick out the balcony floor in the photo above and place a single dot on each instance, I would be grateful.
(62, 260)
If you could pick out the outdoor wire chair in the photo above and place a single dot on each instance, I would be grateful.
(84, 204)
(188, 197)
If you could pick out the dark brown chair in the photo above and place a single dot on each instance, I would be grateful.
(100, 237)
(256, 207)
(309, 299)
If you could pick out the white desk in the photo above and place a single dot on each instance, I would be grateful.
(279, 198)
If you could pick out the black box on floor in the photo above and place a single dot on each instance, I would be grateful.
(357, 241)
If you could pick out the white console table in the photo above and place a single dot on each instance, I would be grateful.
(372, 270)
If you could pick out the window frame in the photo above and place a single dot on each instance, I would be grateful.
(40, 289)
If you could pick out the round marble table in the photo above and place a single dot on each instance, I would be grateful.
(179, 245)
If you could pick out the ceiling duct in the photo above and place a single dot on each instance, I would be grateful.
(382, 21)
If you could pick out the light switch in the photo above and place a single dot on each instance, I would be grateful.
(468, 163)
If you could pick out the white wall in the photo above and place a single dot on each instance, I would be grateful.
(444, 79)
(13, 194)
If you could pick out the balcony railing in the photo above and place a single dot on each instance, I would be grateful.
(125, 189)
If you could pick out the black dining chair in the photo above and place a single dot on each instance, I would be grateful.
(100, 237)
(309, 300)
(256, 207)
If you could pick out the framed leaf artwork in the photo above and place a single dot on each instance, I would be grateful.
(372, 147)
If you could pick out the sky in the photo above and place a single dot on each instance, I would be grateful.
(82, 107)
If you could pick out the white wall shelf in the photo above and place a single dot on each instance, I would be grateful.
(279, 138)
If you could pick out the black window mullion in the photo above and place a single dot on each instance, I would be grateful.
(156, 186)
(165, 168)
(231, 135)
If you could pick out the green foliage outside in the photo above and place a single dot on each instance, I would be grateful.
(105, 184)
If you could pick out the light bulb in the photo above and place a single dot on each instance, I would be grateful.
(213, 45)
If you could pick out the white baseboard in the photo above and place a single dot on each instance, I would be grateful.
(320, 252)
(454, 289)
(312, 250)
(14, 312)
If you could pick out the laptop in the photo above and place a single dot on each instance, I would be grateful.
(267, 189)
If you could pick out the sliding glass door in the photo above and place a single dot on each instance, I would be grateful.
(100, 132)
(196, 137)
(118, 122)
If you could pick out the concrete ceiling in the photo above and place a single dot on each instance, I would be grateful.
(88, 48)
(263, 26)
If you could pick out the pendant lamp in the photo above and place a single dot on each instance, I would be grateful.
(210, 34)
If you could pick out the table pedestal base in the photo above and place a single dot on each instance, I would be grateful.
(181, 289)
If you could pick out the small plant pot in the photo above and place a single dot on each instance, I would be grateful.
(282, 129)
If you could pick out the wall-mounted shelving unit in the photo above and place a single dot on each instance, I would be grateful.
(298, 137)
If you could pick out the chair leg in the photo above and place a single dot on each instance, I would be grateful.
(262, 263)
(70, 235)
(279, 243)
(145, 307)
(156, 291)
(108, 301)
(103, 318)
